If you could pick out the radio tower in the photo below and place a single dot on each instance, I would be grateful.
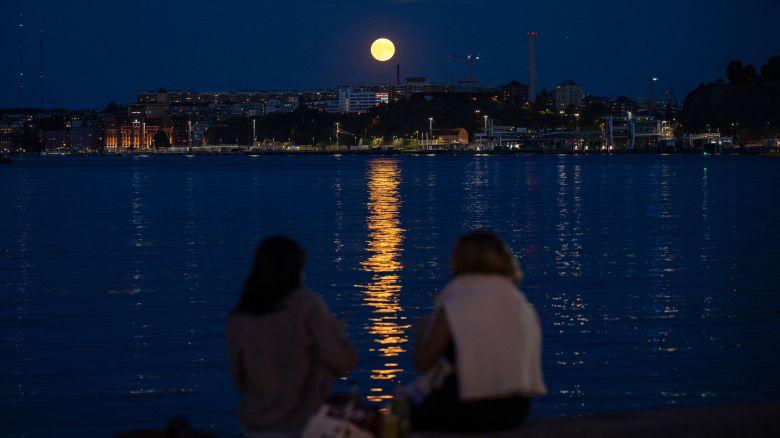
(21, 64)
(40, 91)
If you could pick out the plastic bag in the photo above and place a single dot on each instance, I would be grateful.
(341, 419)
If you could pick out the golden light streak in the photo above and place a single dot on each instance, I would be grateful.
(386, 325)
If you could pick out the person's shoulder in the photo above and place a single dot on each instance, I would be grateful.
(305, 297)
(236, 323)
(466, 283)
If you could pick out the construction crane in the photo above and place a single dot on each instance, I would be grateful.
(471, 58)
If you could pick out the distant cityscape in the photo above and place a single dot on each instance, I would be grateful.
(416, 114)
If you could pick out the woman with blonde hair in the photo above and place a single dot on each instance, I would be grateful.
(485, 328)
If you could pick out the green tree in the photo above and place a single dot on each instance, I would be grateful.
(736, 72)
(751, 75)
(771, 70)
(160, 139)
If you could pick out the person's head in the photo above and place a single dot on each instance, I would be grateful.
(484, 252)
(277, 271)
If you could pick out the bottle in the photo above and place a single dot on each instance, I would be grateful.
(400, 408)
(388, 425)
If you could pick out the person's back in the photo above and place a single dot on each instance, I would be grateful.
(283, 351)
(488, 337)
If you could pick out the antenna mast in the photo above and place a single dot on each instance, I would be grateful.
(21, 63)
(40, 91)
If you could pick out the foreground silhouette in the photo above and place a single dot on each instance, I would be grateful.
(284, 346)
(481, 348)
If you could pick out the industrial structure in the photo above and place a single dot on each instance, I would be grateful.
(532, 66)
(40, 49)
(21, 62)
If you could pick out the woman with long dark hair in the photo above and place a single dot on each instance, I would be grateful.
(284, 345)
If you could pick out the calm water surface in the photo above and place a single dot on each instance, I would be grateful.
(656, 277)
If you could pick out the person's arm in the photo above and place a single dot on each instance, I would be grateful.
(333, 347)
(433, 338)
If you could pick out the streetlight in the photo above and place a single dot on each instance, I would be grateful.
(430, 131)
(577, 117)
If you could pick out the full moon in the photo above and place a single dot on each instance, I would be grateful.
(382, 49)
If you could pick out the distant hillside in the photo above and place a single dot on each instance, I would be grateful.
(748, 105)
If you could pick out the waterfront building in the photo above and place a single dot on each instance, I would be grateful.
(501, 136)
(454, 136)
(622, 106)
(597, 105)
(198, 133)
(320, 100)
(56, 140)
(514, 92)
(84, 136)
(361, 99)
(6, 138)
(631, 132)
(133, 135)
(567, 93)
(416, 85)
(286, 104)
(163, 96)
(147, 110)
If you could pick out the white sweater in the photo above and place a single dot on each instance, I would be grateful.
(497, 336)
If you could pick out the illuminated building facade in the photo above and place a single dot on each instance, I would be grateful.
(57, 140)
(568, 93)
(514, 92)
(360, 100)
(134, 135)
(286, 104)
(85, 137)
(622, 106)
(452, 136)
(416, 85)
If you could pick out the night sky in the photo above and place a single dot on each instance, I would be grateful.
(98, 51)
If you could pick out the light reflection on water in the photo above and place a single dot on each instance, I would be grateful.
(387, 323)
(648, 274)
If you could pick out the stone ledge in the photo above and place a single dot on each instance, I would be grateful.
(748, 420)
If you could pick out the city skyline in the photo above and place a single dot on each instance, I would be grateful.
(95, 53)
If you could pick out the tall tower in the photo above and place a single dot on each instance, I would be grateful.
(21, 63)
(40, 44)
(532, 66)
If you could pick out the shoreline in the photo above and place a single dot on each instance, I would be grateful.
(388, 152)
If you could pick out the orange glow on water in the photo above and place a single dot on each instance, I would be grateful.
(387, 325)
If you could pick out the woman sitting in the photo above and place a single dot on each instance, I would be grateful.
(484, 326)
(284, 345)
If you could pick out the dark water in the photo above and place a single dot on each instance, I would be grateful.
(656, 277)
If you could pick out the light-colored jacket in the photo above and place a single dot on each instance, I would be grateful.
(497, 337)
(283, 362)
